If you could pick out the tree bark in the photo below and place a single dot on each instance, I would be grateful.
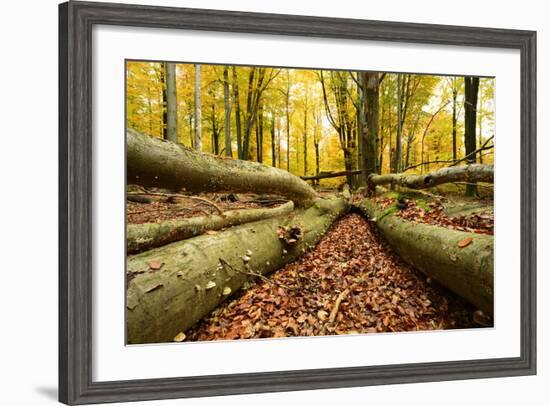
(272, 131)
(152, 162)
(436, 252)
(238, 125)
(455, 114)
(260, 133)
(305, 134)
(198, 118)
(372, 108)
(361, 108)
(400, 120)
(326, 175)
(141, 237)
(192, 281)
(471, 87)
(171, 103)
(164, 101)
(466, 173)
(227, 107)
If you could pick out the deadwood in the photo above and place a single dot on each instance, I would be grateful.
(141, 237)
(460, 261)
(172, 287)
(153, 162)
(326, 175)
(466, 173)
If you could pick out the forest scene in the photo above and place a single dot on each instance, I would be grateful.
(266, 202)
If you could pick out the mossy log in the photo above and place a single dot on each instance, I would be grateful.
(437, 252)
(172, 287)
(141, 237)
(466, 173)
(153, 162)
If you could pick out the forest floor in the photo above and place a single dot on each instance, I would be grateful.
(350, 283)
(162, 209)
(463, 215)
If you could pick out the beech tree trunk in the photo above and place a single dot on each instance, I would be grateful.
(471, 88)
(466, 173)
(227, 111)
(238, 126)
(372, 83)
(152, 162)
(171, 103)
(192, 281)
(435, 251)
(141, 237)
(198, 109)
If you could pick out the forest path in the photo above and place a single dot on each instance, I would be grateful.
(350, 283)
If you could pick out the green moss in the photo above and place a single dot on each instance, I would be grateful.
(390, 210)
(423, 205)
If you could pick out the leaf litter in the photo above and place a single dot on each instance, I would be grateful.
(350, 283)
(433, 213)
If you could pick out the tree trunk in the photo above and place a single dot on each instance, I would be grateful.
(171, 103)
(398, 145)
(287, 111)
(198, 119)
(434, 250)
(215, 131)
(305, 136)
(237, 113)
(326, 175)
(164, 101)
(141, 237)
(227, 102)
(316, 145)
(152, 162)
(192, 281)
(471, 87)
(372, 107)
(466, 173)
(260, 134)
(455, 94)
(362, 130)
(272, 131)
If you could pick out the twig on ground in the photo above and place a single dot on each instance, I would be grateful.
(334, 311)
(225, 264)
(200, 199)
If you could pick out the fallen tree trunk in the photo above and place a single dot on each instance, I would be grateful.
(153, 162)
(437, 252)
(326, 175)
(141, 237)
(466, 173)
(172, 287)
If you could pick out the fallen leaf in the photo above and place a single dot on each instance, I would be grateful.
(322, 315)
(226, 291)
(465, 242)
(180, 337)
(210, 285)
(155, 265)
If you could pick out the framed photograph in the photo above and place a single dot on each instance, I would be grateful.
(260, 202)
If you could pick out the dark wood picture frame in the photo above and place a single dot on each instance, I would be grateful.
(76, 20)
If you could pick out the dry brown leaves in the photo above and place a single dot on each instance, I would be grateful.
(353, 269)
(474, 223)
(157, 211)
